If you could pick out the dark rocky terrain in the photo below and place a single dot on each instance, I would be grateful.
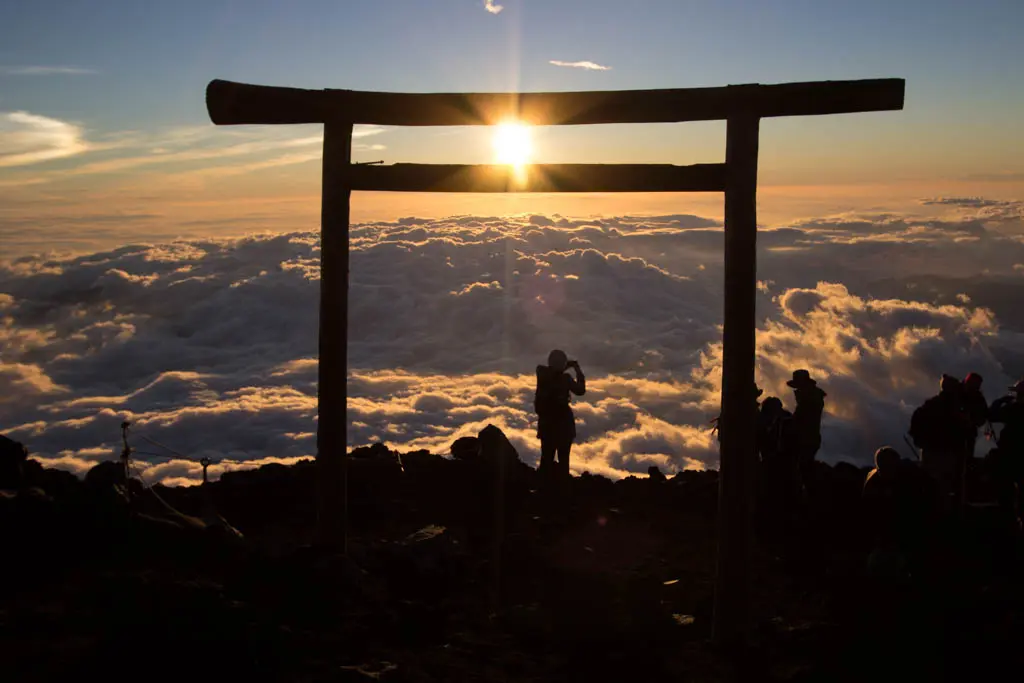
(599, 580)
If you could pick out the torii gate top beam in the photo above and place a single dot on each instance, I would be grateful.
(239, 103)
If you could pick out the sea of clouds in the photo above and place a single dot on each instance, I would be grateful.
(209, 346)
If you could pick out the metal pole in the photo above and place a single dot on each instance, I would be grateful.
(739, 413)
(332, 390)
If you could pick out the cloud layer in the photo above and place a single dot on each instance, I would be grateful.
(209, 346)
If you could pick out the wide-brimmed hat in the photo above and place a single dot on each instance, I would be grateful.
(1018, 387)
(801, 378)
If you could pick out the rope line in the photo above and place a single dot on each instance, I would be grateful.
(156, 495)
(167, 448)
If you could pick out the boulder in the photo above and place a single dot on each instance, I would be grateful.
(466, 448)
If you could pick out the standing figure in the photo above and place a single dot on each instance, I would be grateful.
(780, 476)
(806, 425)
(941, 428)
(1008, 455)
(556, 424)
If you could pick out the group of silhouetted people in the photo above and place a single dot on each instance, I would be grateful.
(789, 441)
(900, 495)
(906, 501)
(946, 429)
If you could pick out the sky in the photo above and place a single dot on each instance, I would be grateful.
(159, 269)
(103, 121)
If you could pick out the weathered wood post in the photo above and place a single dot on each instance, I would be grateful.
(738, 462)
(332, 386)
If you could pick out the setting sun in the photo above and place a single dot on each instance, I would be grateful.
(512, 143)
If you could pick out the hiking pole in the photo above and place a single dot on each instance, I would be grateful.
(913, 448)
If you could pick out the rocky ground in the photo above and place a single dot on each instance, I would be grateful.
(599, 580)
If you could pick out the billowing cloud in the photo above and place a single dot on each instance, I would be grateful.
(590, 66)
(493, 7)
(209, 346)
(27, 138)
(44, 71)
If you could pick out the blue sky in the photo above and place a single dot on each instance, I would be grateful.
(127, 79)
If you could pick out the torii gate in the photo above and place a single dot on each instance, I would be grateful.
(741, 106)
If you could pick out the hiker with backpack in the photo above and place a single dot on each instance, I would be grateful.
(941, 428)
(556, 424)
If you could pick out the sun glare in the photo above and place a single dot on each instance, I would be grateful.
(512, 144)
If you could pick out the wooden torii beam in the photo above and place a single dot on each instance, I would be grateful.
(741, 106)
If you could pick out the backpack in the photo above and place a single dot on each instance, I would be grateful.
(920, 427)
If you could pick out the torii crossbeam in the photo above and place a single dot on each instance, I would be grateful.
(741, 106)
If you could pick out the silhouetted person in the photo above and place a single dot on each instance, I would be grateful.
(772, 423)
(556, 424)
(780, 480)
(1009, 453)
(941, 428)
(977, 410)
(898, 505)
(810, 404)
(12, 462)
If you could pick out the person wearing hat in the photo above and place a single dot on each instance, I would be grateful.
(1009, 452)
(806, 425)
(941, 428)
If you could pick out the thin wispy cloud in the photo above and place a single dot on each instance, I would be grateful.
(493, 7)
(367, 131)
(45, 71)
(590, 66)
(27, 138)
